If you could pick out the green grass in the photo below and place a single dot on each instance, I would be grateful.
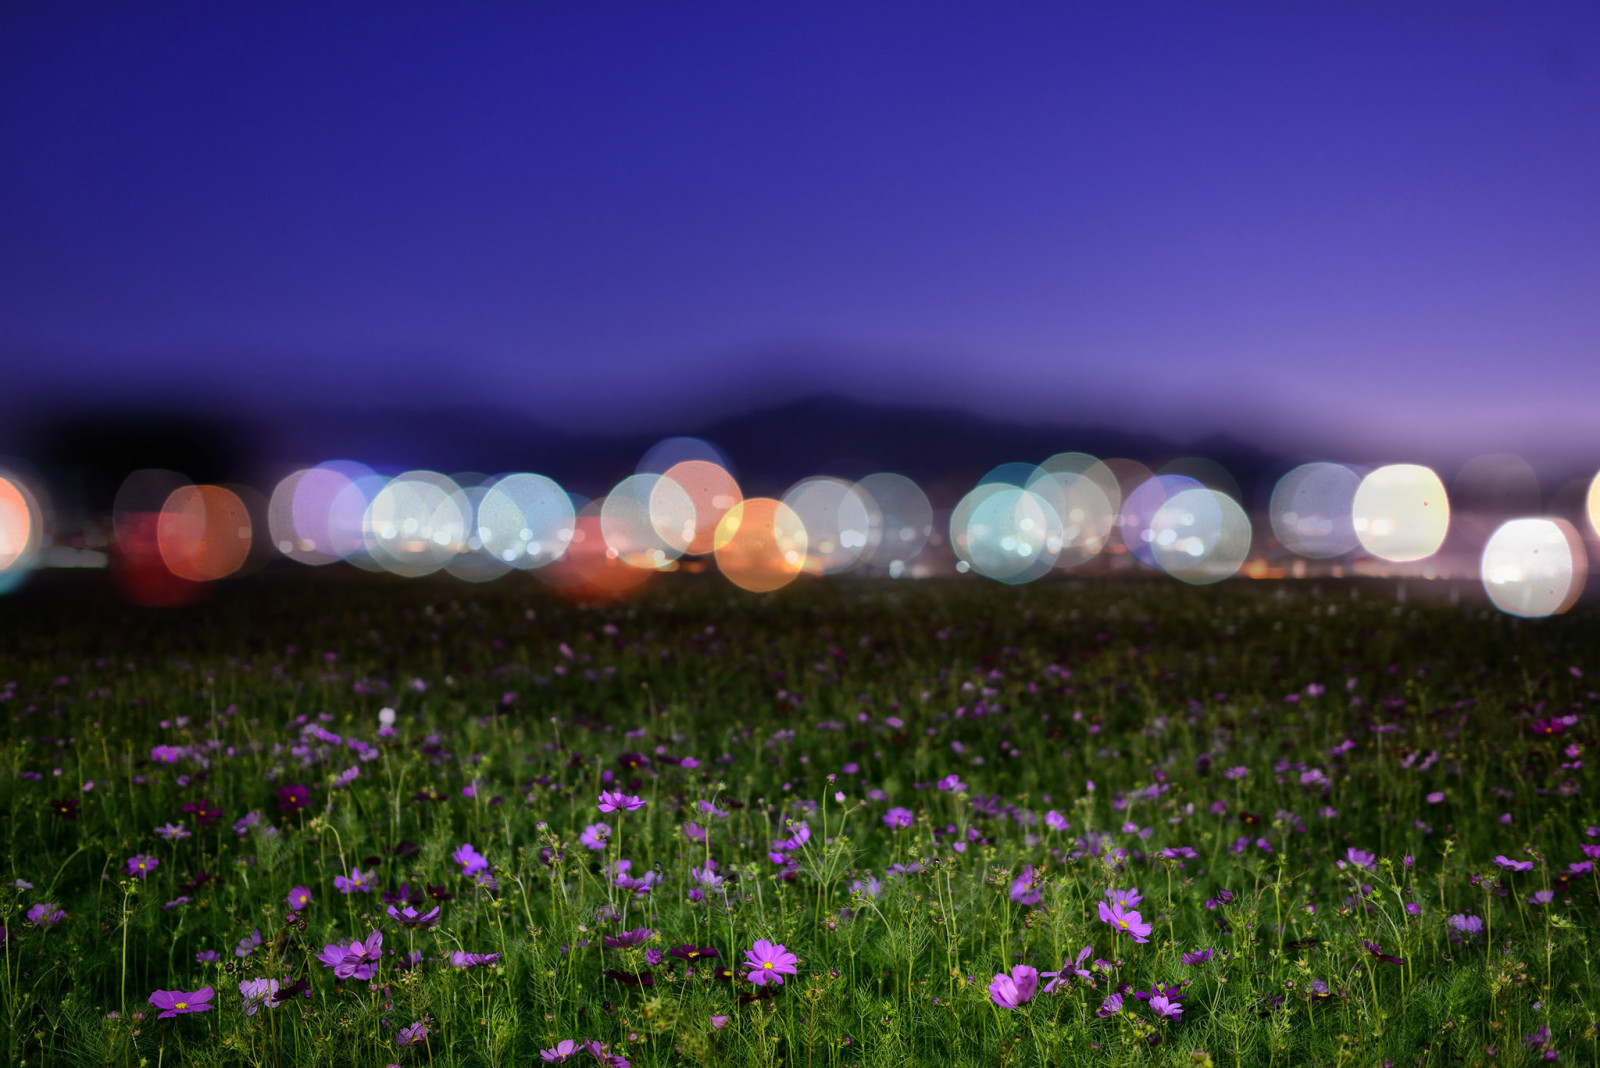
(870, 690)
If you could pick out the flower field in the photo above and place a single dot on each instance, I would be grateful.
(350, 821)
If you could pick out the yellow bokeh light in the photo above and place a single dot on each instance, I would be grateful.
(1401, 513)
(761, 545)
(1593, 505)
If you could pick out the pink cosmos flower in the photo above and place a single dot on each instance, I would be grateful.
(769, 963)
(1126, 920)
(180, 1003)
(1015, 990)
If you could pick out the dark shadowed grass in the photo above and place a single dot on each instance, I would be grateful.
(1347, 767)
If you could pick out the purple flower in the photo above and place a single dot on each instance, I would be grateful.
(1127, 921)
(410, 917)
(180, 1003)
(1164, 1008)
(1110, 1006)
(459, 959)
(1541, 897)
(562, 1051)
(298, 898)
(1361, 858)
(899, 818)
(1056, 821)
(1377, 951)
(769, 962)
(693, 953)
(414, 1035)
(1198, 957)
(595, 836)
(173, 832)
(707, 876)
(45, 914)
(470, 859)
(206, 956)
(1124, 899)
(628, 939)
(1025, 887)
(358, 960)
(248, 944)
(1513, 865)
(1467, 924)
(1015, 990)
(1068, 971)
(293, 798)
(140, 865)
(617, 801)
(358, 881)
(257, 992)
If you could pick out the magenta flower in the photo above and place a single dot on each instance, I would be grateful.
(293, 798)
(595, 836)
(1198, 957)
(1508, 864)
(256, 993)
(410, 917)
(140, 865)
(1015, 990)
(899, 818)
(1126, 920)
(1124, 899)
(358, 960)
(1165, 1009)
(628, 939)
(769, 963)
(359, 881)
(1361, 858)
(562, 1051)
(298, 898)
(180, 1003)
(470, 859)
(617, 801)
(1110, 1006)
(463, 960)
(1068, 971)
(46, 914)
(414, 1035)
(1025, 887)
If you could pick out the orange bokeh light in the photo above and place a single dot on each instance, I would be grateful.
(761, 545)
(203, 533)
(19, 532)
(589, 567)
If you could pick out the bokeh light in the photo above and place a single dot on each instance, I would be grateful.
(903, 521)
(476, 563)
(711, 491)
(417, 523)
(1534, 567)
(525, 520)
(647, 520)
(1199, 536)
(1487, 491)
(1401, 513)
(838, 519)
(1592, 505)
(590, 568)
(1141, 507)
(1088, 513)
(669, 452)
(203, 533)
(1005, 532)
(20, 526)
(761, 545)
(1312, 510)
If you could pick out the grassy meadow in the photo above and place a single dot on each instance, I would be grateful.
(331, 819)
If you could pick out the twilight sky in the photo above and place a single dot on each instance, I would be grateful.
(1322, 222)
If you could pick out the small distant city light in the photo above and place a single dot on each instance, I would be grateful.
(1312, 510)
(761, 545)
(1534, 567)
(1401, 513)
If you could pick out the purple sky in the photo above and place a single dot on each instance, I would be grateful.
(1326, 221)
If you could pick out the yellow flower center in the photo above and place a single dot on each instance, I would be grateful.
(767, 965)
(180, 1005)
(1122, 923)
